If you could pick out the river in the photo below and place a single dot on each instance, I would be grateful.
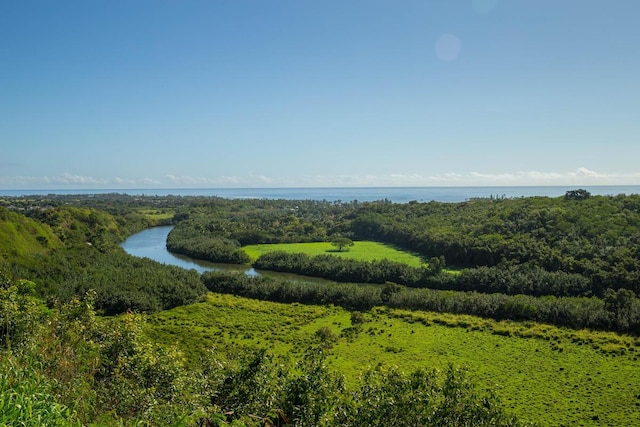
(151, 243)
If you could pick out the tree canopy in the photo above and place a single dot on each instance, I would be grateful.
(341, 243)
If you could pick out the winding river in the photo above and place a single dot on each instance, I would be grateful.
(151, 243)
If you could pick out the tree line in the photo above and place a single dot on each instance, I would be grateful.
(618, 310)
(508, 279)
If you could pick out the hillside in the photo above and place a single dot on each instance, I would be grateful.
(22, 237)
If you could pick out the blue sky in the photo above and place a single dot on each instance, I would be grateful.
(313, 93)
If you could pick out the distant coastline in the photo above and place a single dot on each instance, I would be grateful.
(348, 194)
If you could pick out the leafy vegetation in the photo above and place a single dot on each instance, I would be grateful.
(67, 367)
(343, 270)
(70, 250)
(595, 237)
(190, 242)
(341, 243)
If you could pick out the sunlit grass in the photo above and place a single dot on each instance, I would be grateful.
(360, 251)
(157, 214)
(541, 373)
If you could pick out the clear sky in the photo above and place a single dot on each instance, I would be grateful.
(313, 93)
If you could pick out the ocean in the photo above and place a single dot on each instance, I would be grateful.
(349, 194)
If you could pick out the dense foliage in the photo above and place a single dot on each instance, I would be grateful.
(350, 296)
(597, 237)
(121, 282)
(343, 270)
(69, 250)
(206, 246)
(508, 279)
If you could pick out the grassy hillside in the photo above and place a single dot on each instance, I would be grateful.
(22, 237)
(360, 251)
(545, 374)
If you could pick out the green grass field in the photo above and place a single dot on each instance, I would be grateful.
(157, 214)
(361, 251)
(553, 376)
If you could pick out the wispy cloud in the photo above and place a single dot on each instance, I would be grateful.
(185, 180)
(225, 181)
(133, 182)
(67, 178)
(579, 177)
(43, 182)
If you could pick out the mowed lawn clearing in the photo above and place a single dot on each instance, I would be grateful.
(360, 251)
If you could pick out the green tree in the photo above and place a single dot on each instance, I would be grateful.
(620, 305)
(579, 194)
(436, 264)
(341, 243)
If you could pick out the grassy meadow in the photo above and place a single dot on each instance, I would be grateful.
(553, 376)
(360, 251)
(157, 214)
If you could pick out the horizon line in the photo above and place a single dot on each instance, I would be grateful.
(317, 187)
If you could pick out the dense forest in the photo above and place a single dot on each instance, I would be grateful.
(572, 261)
(577, 246)
(596, 237)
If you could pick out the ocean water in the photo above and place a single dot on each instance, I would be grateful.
(349, 194)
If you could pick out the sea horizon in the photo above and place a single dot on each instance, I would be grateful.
(345, 194)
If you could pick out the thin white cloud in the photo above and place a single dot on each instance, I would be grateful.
(250, 180)
(67, 178)
(21, 180)
(72, 181)
(581, 176)
(142, 181)
(186, 180)
(64, 179)
(587, 172)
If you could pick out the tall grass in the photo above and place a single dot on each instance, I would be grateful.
(26, 398)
